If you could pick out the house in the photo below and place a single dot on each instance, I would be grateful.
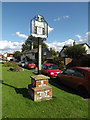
(68, 60)
(8, 56)
(87, 47)
(33, 54)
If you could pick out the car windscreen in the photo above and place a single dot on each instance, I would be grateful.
(52, 67)
(31, 63)
(26, 62)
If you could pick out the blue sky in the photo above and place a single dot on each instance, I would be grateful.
(67, 21)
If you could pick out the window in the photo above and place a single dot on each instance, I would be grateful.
(44, 53)
(43, 31)
(35, 30)
(69, 72)
(43, 66)
(52, 67)
(74, 72)
(11, 55)
(79, 73)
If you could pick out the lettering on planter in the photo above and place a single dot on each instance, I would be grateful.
(43, 94)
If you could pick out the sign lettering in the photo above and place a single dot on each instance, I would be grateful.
(43, 94)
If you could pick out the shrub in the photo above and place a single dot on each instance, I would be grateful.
(10, 64)
(62, 67)
(18, 69)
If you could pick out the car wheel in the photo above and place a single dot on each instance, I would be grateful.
(58, 80)
(82, 91)
(47, 75)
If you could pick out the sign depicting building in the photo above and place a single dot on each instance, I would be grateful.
(39, 27)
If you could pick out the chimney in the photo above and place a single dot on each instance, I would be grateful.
(74, 42)
(31, 45)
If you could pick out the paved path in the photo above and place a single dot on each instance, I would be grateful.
(35, 70)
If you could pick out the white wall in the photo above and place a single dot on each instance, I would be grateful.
(87, 48)
(9, 58)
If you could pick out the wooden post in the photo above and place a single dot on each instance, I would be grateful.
(39, 55)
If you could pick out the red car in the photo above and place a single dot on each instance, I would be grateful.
(77, 78)
(50, 69)
(30, 65)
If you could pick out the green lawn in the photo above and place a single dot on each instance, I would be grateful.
(16, 102)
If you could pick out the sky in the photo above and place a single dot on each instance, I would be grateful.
(67, 21)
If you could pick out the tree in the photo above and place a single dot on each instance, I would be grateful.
(75, 51)
(17, 55)
(54, 53)
(28, 42)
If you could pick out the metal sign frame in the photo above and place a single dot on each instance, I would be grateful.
(39, 27)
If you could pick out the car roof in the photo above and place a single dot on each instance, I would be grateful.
(83, 68)
(48, 64)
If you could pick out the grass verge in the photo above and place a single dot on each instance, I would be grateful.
(16, 102)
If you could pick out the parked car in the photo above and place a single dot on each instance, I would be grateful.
(51, 70)
(17, 61)
(30, 65)
(21, 63)
(77, 78)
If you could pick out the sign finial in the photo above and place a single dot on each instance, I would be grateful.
(39, 18)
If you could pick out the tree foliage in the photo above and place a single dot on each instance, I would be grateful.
(54, 53)
(30, 40)
(17, 55)
(75, 51)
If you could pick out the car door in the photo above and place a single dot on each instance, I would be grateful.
(66, 76)
(77, 78)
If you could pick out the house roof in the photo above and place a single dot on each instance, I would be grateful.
(76, 44)
(8, 54)
(30, 51)
(63, 48)
(33, 51)
(84, 44)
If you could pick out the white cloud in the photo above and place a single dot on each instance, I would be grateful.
(78, 36)
(50, 29)
(8, 46)
(25, 36)
(21, 35)
(87, 34)
(59, 45)
(65, 17)
(81, 40)
(57, 19)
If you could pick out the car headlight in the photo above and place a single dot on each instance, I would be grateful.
(52, 73)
